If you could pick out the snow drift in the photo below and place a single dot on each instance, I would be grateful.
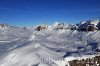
(28, 47)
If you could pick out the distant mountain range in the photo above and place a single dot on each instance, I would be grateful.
(89, 25)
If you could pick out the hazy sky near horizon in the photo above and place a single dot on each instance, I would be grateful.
(34, 12)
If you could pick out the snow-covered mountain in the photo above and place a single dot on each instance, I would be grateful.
(4, 26)
(49, 47)
(94, 23)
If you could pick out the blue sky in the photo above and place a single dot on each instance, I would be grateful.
(34, 12)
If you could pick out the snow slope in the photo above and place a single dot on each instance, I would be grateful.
(24, 47)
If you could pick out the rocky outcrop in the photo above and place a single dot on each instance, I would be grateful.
(94, 61)
(41, 27)
(3, 26)
(90, 25)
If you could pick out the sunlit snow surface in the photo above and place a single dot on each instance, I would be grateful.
(24, 47)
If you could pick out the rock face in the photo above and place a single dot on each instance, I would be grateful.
(94, 61)
(41, 27)
(98, 25)
(89, 25)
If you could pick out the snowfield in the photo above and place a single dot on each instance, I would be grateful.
(28, 47)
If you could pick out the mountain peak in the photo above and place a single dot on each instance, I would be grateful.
(95, 22)
(4, 26)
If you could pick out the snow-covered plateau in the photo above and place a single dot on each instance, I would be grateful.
(47, 47)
